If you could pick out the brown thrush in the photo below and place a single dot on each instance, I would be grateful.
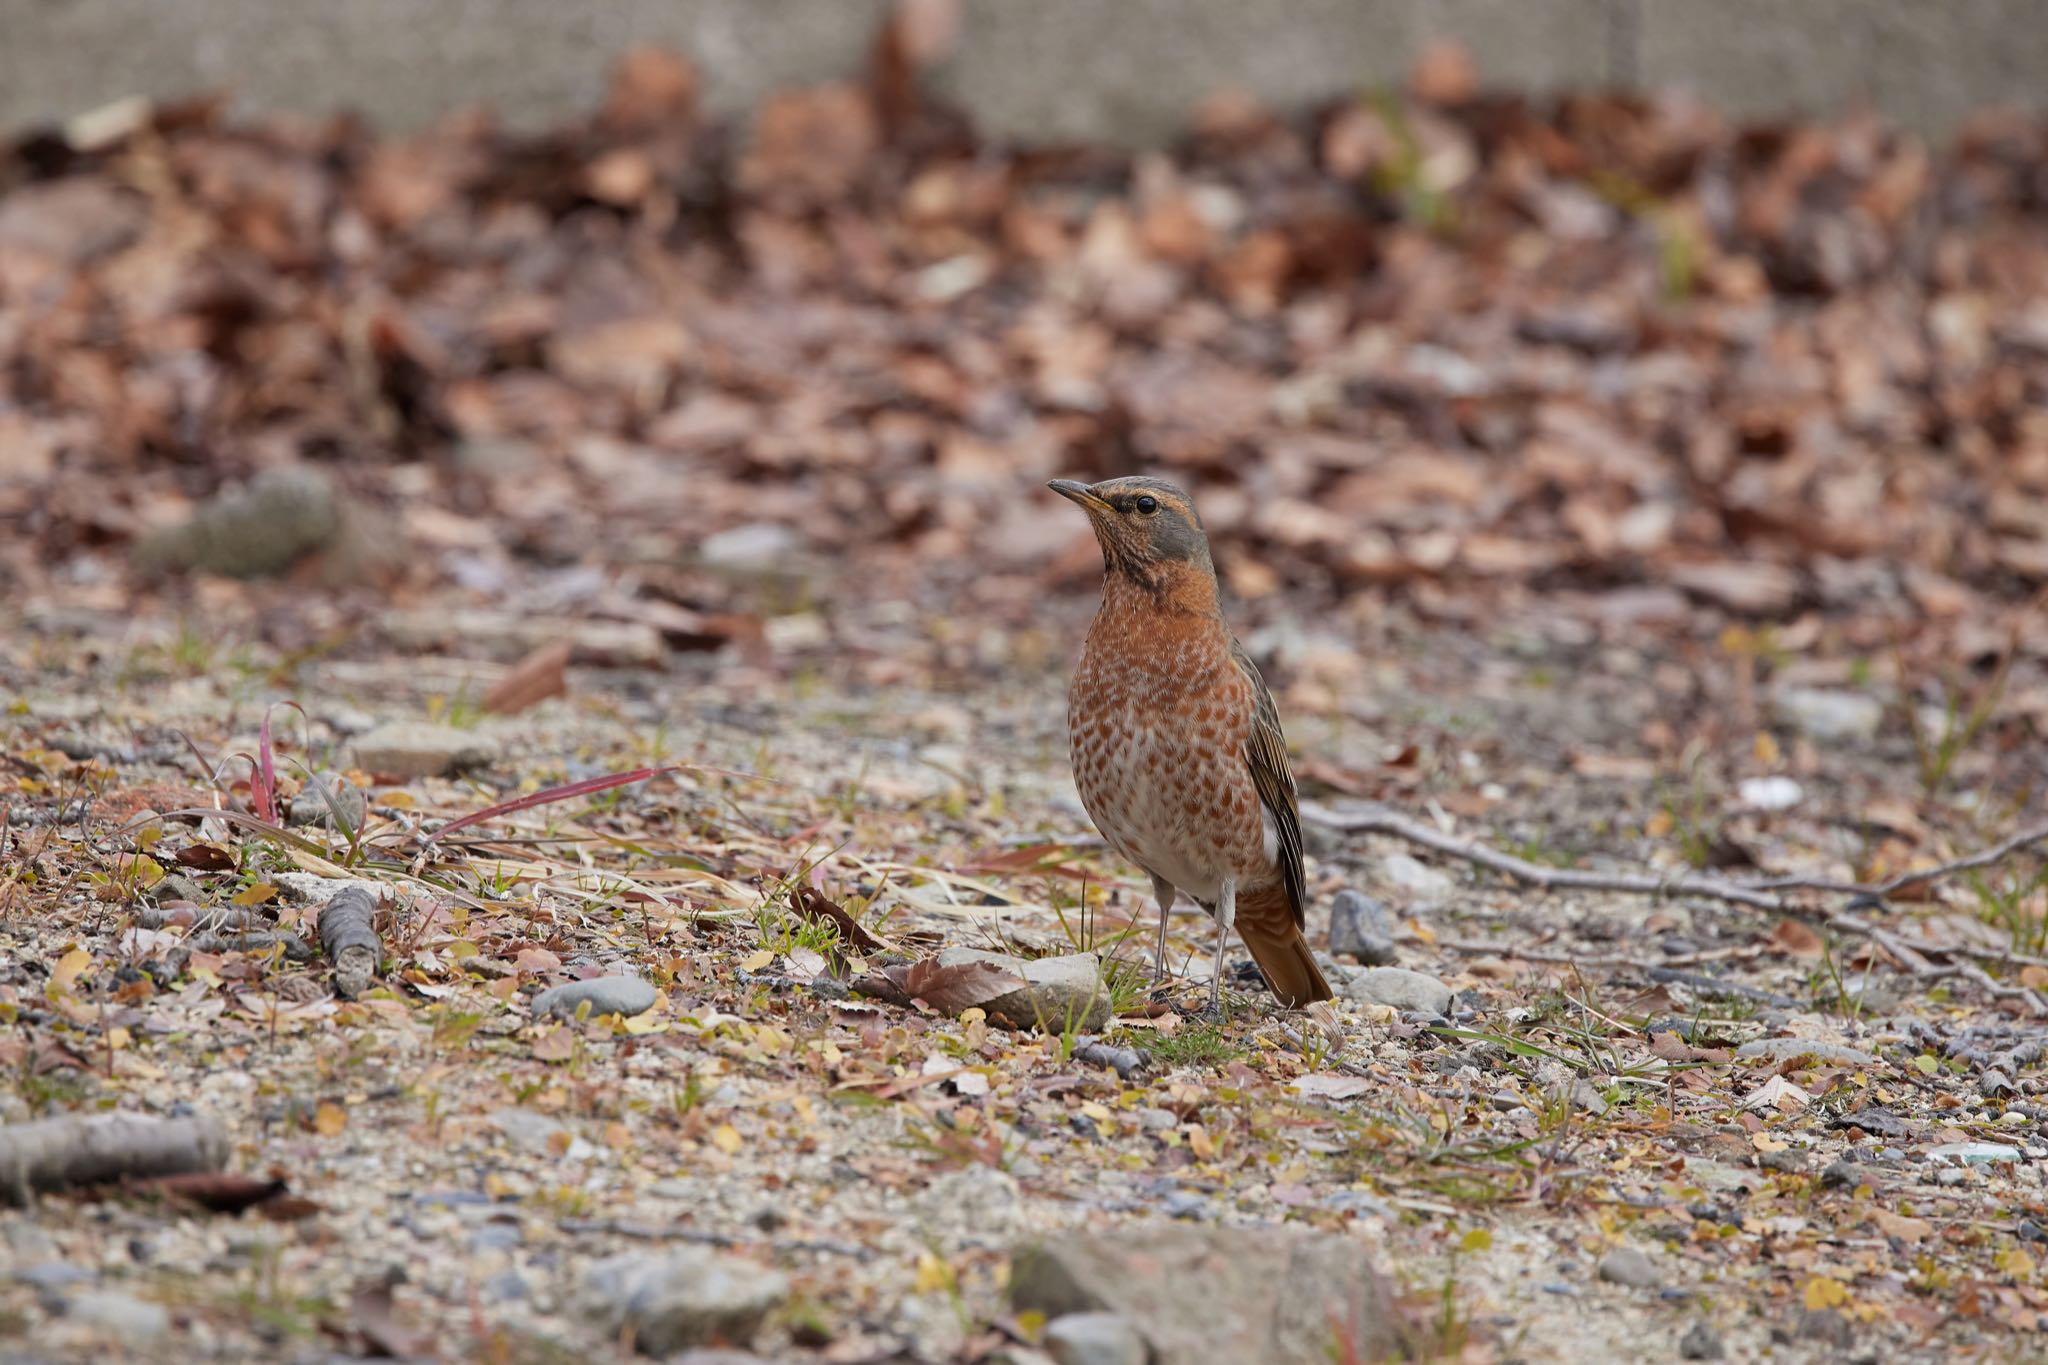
(1176, 742)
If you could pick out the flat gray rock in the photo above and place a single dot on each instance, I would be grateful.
(687, 1296)
(404, 750)
(1785, 1049)
(1398, 988)
(1060, 993)
(627, 995)
(1196, 1294)
(120, 1316)
(1095, 1339)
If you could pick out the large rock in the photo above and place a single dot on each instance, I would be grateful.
(1060, 993)
(265, 528)
(1200, 1294)
(1397, 988)
(684, 1297)
(406, 749)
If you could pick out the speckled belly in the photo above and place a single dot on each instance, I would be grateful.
(1161, 769)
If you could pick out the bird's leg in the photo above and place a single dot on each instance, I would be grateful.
(1162, 891)
(1226, 916)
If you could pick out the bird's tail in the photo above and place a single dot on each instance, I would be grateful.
(1265, 921)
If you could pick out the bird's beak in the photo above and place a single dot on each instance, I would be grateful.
(1081, 493)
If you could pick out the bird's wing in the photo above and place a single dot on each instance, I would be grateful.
(1265, 749)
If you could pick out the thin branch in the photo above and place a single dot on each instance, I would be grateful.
(1381, 821)
(1758, 895)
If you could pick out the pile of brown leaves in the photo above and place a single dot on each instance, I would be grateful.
(1434, 339)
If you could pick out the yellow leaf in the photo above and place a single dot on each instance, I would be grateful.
(397, 800)
(2016, 1263)
(329, 1119)
(1822, 1292)
(253, 895)
(757, 961)
(933, 1274)
(1200, 1143)
(1478, 1239)
(727, 1139)
(141, 870)
(1764, 1142)
(1660, 824)
(1767, 750)
(69, 968)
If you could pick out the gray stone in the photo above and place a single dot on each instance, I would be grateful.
(328, 797)
(1700, 1342)
(1423, 883)
(407, 749)
(1398, 988)
(1631, 1267)
(120, 1316)
(627, 995)
(507, 1286)
(178, 887)
(1785, 1049)
(1059, 994)
(533, 1131)
(1270, 1294)
(1828, 716)
(1095, 1339)
(252, 532)
(52, 1275)
(1361, 927)
(683, 1297)
(976, 1205)
(756, 548)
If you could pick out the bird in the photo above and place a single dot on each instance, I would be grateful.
(1176, 743)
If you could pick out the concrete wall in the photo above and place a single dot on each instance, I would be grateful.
(1121, 69)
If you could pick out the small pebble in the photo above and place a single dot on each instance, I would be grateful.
(1629, 1266)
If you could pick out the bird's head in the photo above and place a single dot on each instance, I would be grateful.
(1147, 527)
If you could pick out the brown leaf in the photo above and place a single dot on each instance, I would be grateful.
(535, 678)
(815, 905)
(945, 990)
(1797, 940)
(206, 858)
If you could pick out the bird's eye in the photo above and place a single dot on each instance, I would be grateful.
(1147, 504)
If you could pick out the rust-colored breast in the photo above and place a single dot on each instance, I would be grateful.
(1158, 718)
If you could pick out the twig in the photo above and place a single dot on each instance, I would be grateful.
(1380, 821)
(54, 1153)
(1757, 895)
